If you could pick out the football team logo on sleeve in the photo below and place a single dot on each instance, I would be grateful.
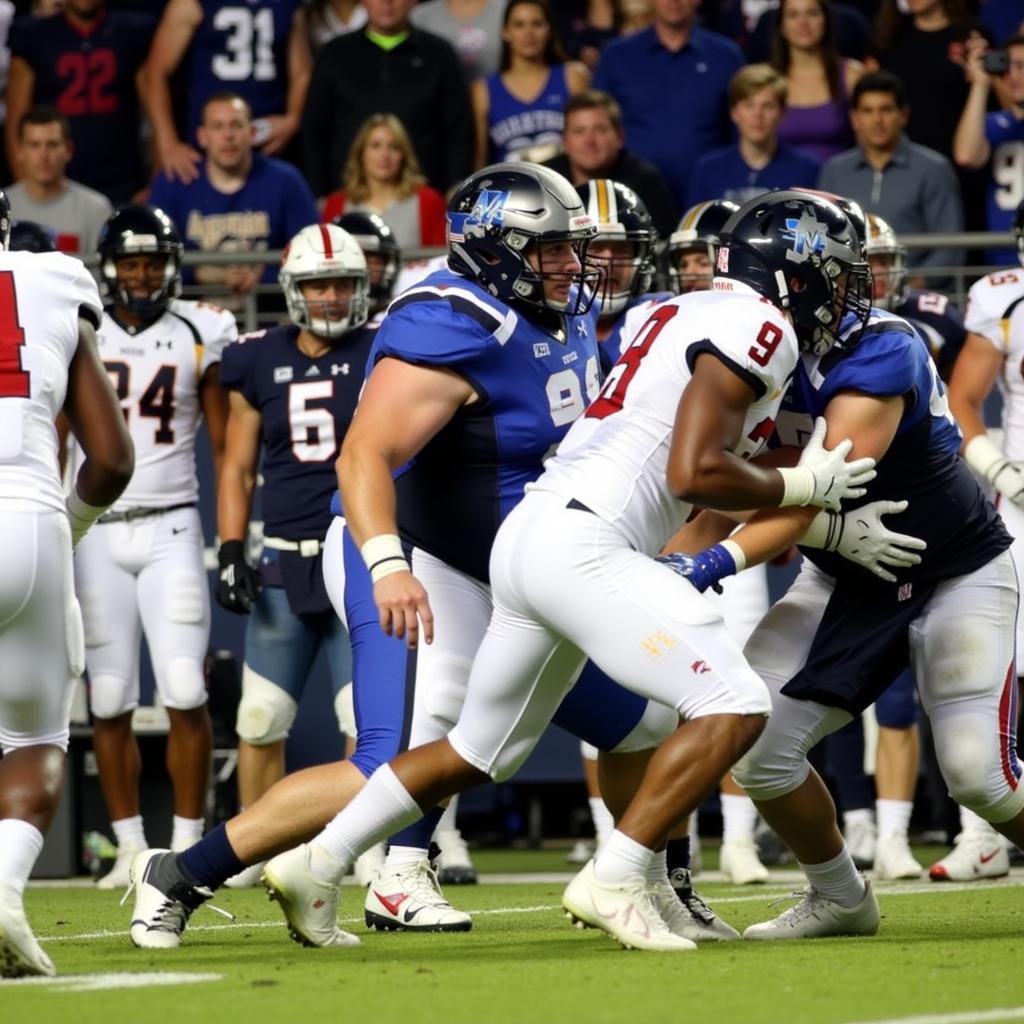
(808, 236)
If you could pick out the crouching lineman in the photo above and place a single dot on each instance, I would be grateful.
(292, 392)
(52, 309)
(141, 570)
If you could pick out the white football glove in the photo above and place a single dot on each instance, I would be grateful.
(824, 477)
(861, 537)
(989, 462)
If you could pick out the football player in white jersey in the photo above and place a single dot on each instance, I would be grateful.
(992, 355)
(48, 361)
(692, 400)
(141, 571)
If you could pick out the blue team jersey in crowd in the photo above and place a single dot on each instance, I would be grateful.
(724, 174)
(242, 47)
(90, 78)
(515, 126)
(611, 344)
(939, 322)
(946, 508)
(531, 385)
(306, 406)
(1005, 134)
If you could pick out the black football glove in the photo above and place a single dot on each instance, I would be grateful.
(239, 583)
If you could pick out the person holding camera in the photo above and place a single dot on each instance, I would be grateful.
(981, 136)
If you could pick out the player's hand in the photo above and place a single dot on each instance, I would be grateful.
(180, 162)
(282, 130)
(238, 584)
(402, 603)
(704, 569)
(1008, 479)
(834, 477)
(862, 537)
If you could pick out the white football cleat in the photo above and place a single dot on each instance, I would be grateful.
(977, 853)
(247, 877)
(454, 866)
(119, 876)
(689, 917)
(860, 841)
(20, 955)
(310, 905)
(582, 851)
(409, 899)
(740, 863)
(816, 917)
(626, 912)
(369, 865)
(893, 858)
(164, 900)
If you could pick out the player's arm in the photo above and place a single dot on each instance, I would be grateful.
(180, 20)
(703, 469)
(402, 407)
(94, 415)
(300, 69)
(21, 83)
(213, 400)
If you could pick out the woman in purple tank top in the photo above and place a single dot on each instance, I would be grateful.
(518, 112)
(818, 80)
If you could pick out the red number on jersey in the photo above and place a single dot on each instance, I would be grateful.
(90, 74)
(762, 431)
(767, 342)
(14, 380)
(1009, 277)
(613, 394)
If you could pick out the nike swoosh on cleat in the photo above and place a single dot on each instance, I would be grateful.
(392, 903)
(986, 857)
(410, 914)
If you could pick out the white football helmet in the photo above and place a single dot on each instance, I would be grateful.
(882, 244)
(323, 251)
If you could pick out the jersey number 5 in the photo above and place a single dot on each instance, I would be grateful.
(14, 380)
(313, 435)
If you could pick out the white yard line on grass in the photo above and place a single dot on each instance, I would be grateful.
(964, 1017)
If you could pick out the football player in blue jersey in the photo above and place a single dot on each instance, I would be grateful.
(841, 636)
(293, 391)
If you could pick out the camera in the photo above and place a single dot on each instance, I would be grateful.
(996, 62)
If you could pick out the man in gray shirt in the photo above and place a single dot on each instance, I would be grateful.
(45, 195)
(912, 187)
(473, 27)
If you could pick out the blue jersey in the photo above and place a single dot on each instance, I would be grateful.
(1005, 134)
(306, 406)
(724, 174)
(626, 324)
(939, 322)
(241, 47)
(531, 385)
(515, 126)
(946, 508)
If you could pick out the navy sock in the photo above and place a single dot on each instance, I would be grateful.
(677, 854)
(212, 861)
(419, 834)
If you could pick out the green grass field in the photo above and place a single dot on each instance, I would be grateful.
(945, 955)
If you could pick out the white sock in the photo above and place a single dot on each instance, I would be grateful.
(604, 823)
(447, 822)
(621, 860)
(129, 833)
(739, 816)
(893, 817)
(400, 857)
(380, 809)
(657, 870)
(837, 879)
(20, 846)
(974, 822)
(186, 832)
(861, 816)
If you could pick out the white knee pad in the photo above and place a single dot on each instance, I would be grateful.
(588, 751)
(345, 709)
(444, 679)
(974, 773)
(767, 775)
(266, 712)
(657, 723)
(185, 597)
(182, 685)
(111, 696)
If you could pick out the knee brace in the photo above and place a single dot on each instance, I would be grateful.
(182, 685)
(265, 713)
(185, 597)
(111, 696)
(345, 710)
(657, 723)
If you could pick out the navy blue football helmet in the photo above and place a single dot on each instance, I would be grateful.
(28, 236)
(500, 216)
(802, 253)
(378, 241)
(139, 230)
(698, 231)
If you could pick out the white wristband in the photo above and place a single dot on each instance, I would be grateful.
(798, 486)
(984, 457)
(81, 515)
(383, 556)
(824, 532)
(739, 556)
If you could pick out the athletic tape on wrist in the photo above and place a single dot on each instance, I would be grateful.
(384, 556)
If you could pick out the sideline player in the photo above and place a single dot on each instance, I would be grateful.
(573, 570)
(293, 390)
(51, 309)
(141, 570)
(383, 257)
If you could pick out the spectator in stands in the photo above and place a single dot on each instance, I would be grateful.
(594, 147)
(382, 176)
(1003, 19)
(587, 26)
(84, 62)
(819, 81)
(259, 49)
(326, 19)
(853, 32)
(398, 69)
(473, 27)
(998, 137)
(240, 201)
(912, 187)
(671, 81)
(758, 162)
(519, 111)
(44, 194)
